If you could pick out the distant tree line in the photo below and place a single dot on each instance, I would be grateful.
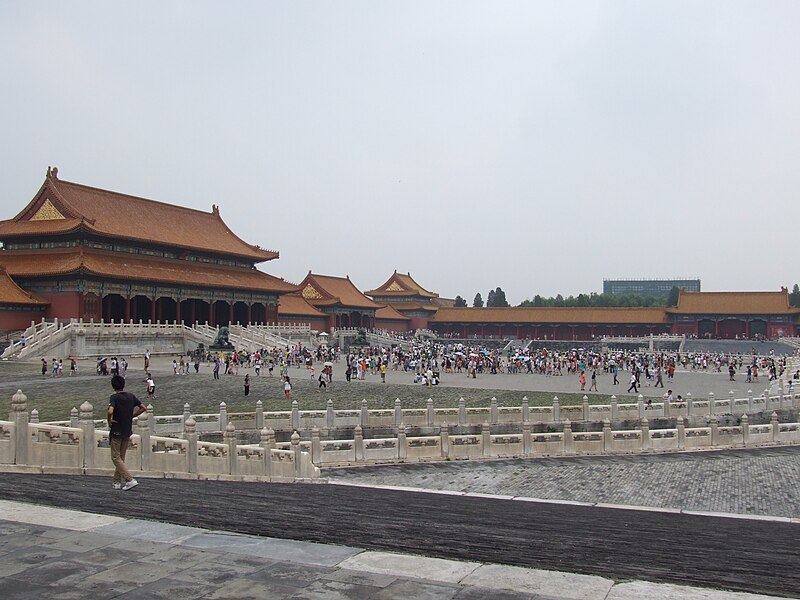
(497, 298)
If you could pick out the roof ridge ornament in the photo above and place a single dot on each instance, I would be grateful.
(52, 172)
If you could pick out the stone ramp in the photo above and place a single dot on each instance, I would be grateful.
(759, 556)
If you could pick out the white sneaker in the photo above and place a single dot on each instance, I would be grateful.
(117, 485)
(130, 484)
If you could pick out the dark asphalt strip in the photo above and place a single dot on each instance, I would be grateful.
(743, 555)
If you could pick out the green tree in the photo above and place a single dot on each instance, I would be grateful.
(497, 298)
(460, 302)
(672, 299)
(478, 301)
(794, 296)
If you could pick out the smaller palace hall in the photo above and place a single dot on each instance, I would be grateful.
(80, 252)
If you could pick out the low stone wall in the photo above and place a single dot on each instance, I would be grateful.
(486, 444)
(693, 410)
(84, 449)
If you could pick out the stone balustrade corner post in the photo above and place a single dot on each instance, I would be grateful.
(486, 439)
(444, 440)
(298, 456)
(568, 441)
(776, 427)
(330, 415)
(493, 412)
(644, 428)
(681, 425)
(145, 449)
(295, 415)
(745, 430)
(402, 442)
(714, 431)
(608, 437)
(259, 415)
(88, 443)
(462, 411)
(358, 443)
(190, 435)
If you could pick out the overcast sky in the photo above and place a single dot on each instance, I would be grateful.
(536, 146)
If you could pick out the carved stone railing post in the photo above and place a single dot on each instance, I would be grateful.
(73, 417)
(87, 434)
(267, 437)
(229, 438)
(486, 439)
(298, 457)
(429, 411)
(568, 441)
(145, 449)
(330, 415)
(493, 411)
(526, 409)
(665, 404)
(223, 416)
(190, 435)
(34, 418)
(556, 410)
(444, 440)
(614, 409)
(187, 412)
(527, 439)
(585, 403)
(712, 404)
(731, 402)
(462, 411)
(689, 404)
(776, 427)
(640, 403)
(714, 431)
(364, 413)
(259, 415)
(402, 442)
(749, 401)
(745, 430)
(681, 433)
(316, 447)
(608, 439)
(358, 443)
(398, 413)
(151, 418)
(644, 427)
(295, 415)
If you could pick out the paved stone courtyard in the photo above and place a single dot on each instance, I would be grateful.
(763, 481)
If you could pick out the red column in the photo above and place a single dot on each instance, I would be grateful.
(127, 308)
(178, 310)
(230, 313)
(153, 309)
(249, 313)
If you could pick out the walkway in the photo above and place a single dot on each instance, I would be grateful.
(193, 551)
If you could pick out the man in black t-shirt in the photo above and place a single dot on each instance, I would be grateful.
(122, 408)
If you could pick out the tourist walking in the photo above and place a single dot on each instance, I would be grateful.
(247, 384)
(583, 380)
(151, 388)
(287, 388)
(123, 407)
(634, 384)
(594, 381)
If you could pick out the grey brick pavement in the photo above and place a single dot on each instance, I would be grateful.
(752, 482)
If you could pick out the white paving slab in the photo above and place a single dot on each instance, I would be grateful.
(34, 514)
(151, 531)
(636, 590)
(402, 565)
(553, 584)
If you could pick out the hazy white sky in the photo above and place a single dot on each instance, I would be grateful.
(536, 146)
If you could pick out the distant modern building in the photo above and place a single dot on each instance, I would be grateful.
(648, 287)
